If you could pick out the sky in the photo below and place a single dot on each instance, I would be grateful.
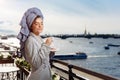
(64, 16)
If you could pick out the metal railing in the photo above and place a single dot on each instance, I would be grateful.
(77, 73)
(67, 72)
(22, 73)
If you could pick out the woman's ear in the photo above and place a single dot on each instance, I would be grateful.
(31, 29)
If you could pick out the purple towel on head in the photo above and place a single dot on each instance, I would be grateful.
(26, 23)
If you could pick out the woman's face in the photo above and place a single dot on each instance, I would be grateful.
(37, 26)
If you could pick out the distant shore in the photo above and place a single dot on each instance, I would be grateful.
(89, 36)
(64, 36)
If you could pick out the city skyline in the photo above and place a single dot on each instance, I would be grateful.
(64, 16)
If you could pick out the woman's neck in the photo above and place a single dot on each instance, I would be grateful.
(36, 34)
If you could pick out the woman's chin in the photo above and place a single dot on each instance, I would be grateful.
(40, 31)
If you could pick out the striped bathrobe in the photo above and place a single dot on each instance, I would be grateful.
(37, 54)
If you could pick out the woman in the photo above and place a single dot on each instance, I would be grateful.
(35, 51)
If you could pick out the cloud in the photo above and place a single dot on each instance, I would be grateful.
(65, 16)
(8, 27)
(5, 23)
(7, 32)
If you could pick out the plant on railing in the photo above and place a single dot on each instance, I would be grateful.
(1, 56)
(9, 56)
(55, 76)
(23, 63)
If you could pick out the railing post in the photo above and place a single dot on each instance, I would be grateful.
(70, 72)
(52, 53)
(51, 63)
(21, 75)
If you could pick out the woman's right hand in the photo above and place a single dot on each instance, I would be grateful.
(48, 41)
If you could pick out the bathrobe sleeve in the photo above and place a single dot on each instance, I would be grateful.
(31, 51)
(35, 52)
(45, 50)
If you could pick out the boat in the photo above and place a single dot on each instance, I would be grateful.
(4, 37)
(106, 47)
(91, 42)
(113, 45)
(118, 53)
(78, 55)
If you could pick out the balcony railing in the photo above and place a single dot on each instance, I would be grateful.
(68, 72)
(65, 70)
(72, 72)
(23, 73)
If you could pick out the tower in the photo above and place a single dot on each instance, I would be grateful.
(85, 32)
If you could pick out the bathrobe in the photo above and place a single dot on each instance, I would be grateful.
(37, 54)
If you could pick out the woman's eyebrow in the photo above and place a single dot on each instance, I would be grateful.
(38, 22)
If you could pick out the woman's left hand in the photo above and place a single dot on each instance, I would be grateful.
(48, 41)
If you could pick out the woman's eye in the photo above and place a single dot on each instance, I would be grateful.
(41, 23)
(36, 24)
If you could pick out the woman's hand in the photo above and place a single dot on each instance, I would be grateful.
(48, 41)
